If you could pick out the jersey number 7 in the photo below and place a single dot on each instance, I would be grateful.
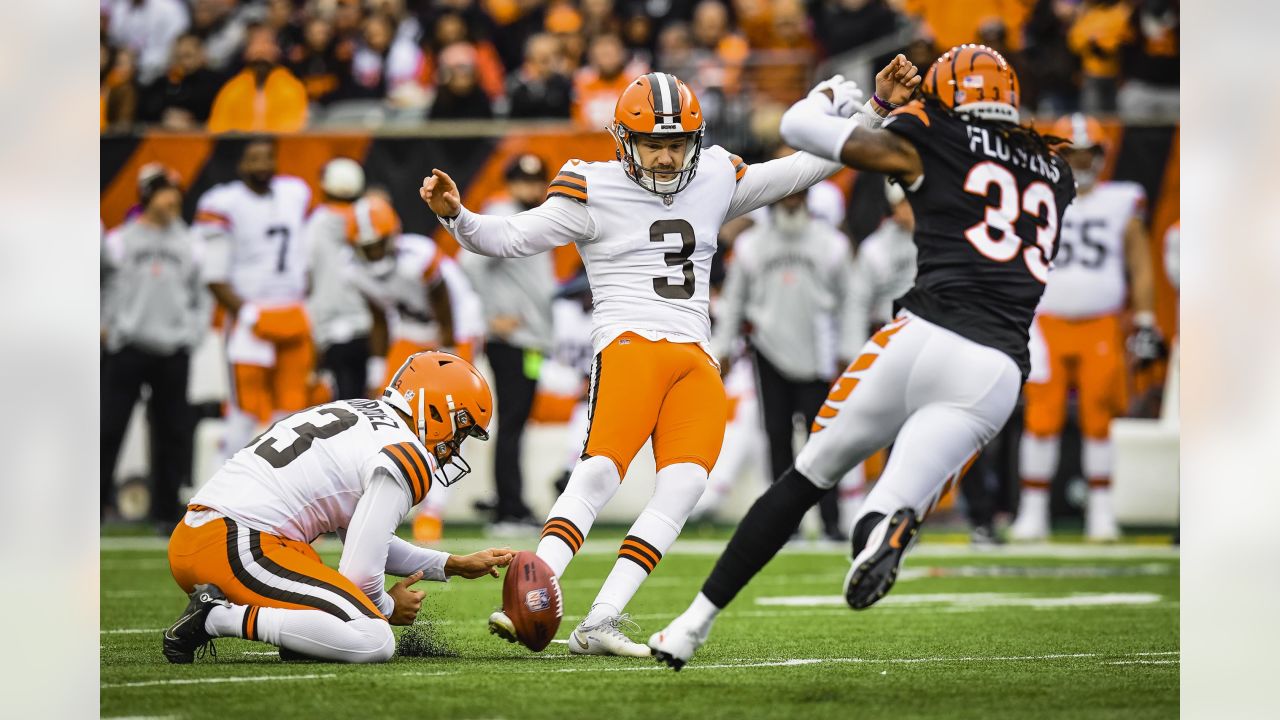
(1003, 244)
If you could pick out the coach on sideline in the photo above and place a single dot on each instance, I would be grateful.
(154, 311)
(789, 285)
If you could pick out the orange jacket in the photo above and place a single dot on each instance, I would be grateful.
(279, 106)
(953, 22)
(1108, 29)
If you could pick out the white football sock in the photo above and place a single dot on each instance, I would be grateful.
(700, 614)
(1038, 458)
(591, 485)
(1095, 461)
(675, 493)
(318, 634)
(225, 621)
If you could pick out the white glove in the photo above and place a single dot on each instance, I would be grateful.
(845, 100)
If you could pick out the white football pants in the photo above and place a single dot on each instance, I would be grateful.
(937, 396)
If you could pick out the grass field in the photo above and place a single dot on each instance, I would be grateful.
(1054, 631)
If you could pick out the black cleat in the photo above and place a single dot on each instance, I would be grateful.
(875, 567)
(187, 636)
(672, 661)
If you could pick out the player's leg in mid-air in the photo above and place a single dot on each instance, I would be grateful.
(249, 584)
(639, 388)
(942, 396)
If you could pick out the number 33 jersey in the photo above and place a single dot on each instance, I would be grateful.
(304, 475)
(988, 211)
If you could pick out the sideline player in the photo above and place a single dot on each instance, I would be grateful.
(646, 226)
(941, 379)
(255, 263)
(243, 552)
(1104, 241)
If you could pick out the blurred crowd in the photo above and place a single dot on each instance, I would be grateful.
(285, 65)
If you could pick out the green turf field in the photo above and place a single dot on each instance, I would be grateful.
(1061, 631)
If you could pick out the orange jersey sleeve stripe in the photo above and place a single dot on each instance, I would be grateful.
(570, 185)
(420, 464)
(406, 468)
(914, 108)
(209, 217)
(739, 167)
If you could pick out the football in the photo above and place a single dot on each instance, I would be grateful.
(531, 598)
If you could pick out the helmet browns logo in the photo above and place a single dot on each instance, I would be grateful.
(975, 79)
(658, 104)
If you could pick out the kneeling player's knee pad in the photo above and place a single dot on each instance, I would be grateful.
(593, 482)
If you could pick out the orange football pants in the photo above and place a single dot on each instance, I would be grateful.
(1085, 354)
(287, 387)
(669, 391)
(261, 569)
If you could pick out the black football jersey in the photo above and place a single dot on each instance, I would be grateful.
(987, 217)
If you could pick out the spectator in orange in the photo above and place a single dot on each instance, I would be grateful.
(711, 33)
(597, 86)
(952, 22)
(565, 24)
(782, 70)
(1097, 36)
(117, 89)
(264, 97)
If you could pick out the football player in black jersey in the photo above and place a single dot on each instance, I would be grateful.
(941, 379)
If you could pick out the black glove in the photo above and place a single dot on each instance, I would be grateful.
(1147, 345)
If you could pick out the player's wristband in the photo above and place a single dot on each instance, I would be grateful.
(885, 104)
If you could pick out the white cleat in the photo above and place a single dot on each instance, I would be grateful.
(501, 625)
(1099, 520)
(676, 643)
(1029, 528)
(606, 638)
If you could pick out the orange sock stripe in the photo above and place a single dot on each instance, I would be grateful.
(644, 546)
(249, 626)
(637, 558)
(1035, 484)
(1099, 482)
(562, 535)
(568, 525)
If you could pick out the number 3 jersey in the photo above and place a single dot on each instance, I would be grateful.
(988, 209)
(1088, 278)
(265, 260)
(304, 475)
(648, 262)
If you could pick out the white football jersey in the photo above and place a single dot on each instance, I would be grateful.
(304, 475)
(650, 263)
(267, 261)
(401, 288)
(468, 311)
(337, 311)
(1088, 276)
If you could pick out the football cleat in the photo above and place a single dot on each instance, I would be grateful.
(875, 567)
(1032, 523)
(1099, 519)
(187, 636)
(501, 625)
(606, 638)
(676, 643)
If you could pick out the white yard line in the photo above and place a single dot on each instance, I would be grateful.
(792, 662)
(202, 681)
(972, 600)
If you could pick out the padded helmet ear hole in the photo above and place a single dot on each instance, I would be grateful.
(435, 414)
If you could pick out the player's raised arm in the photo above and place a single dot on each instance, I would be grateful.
(816, 125)
(558, 221)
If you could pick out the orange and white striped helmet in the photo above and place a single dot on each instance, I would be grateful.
(658, 104)
(448, 401)
(1084, 132)
(977, 80)
(372, 219)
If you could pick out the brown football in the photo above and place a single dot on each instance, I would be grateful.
(531, 598)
